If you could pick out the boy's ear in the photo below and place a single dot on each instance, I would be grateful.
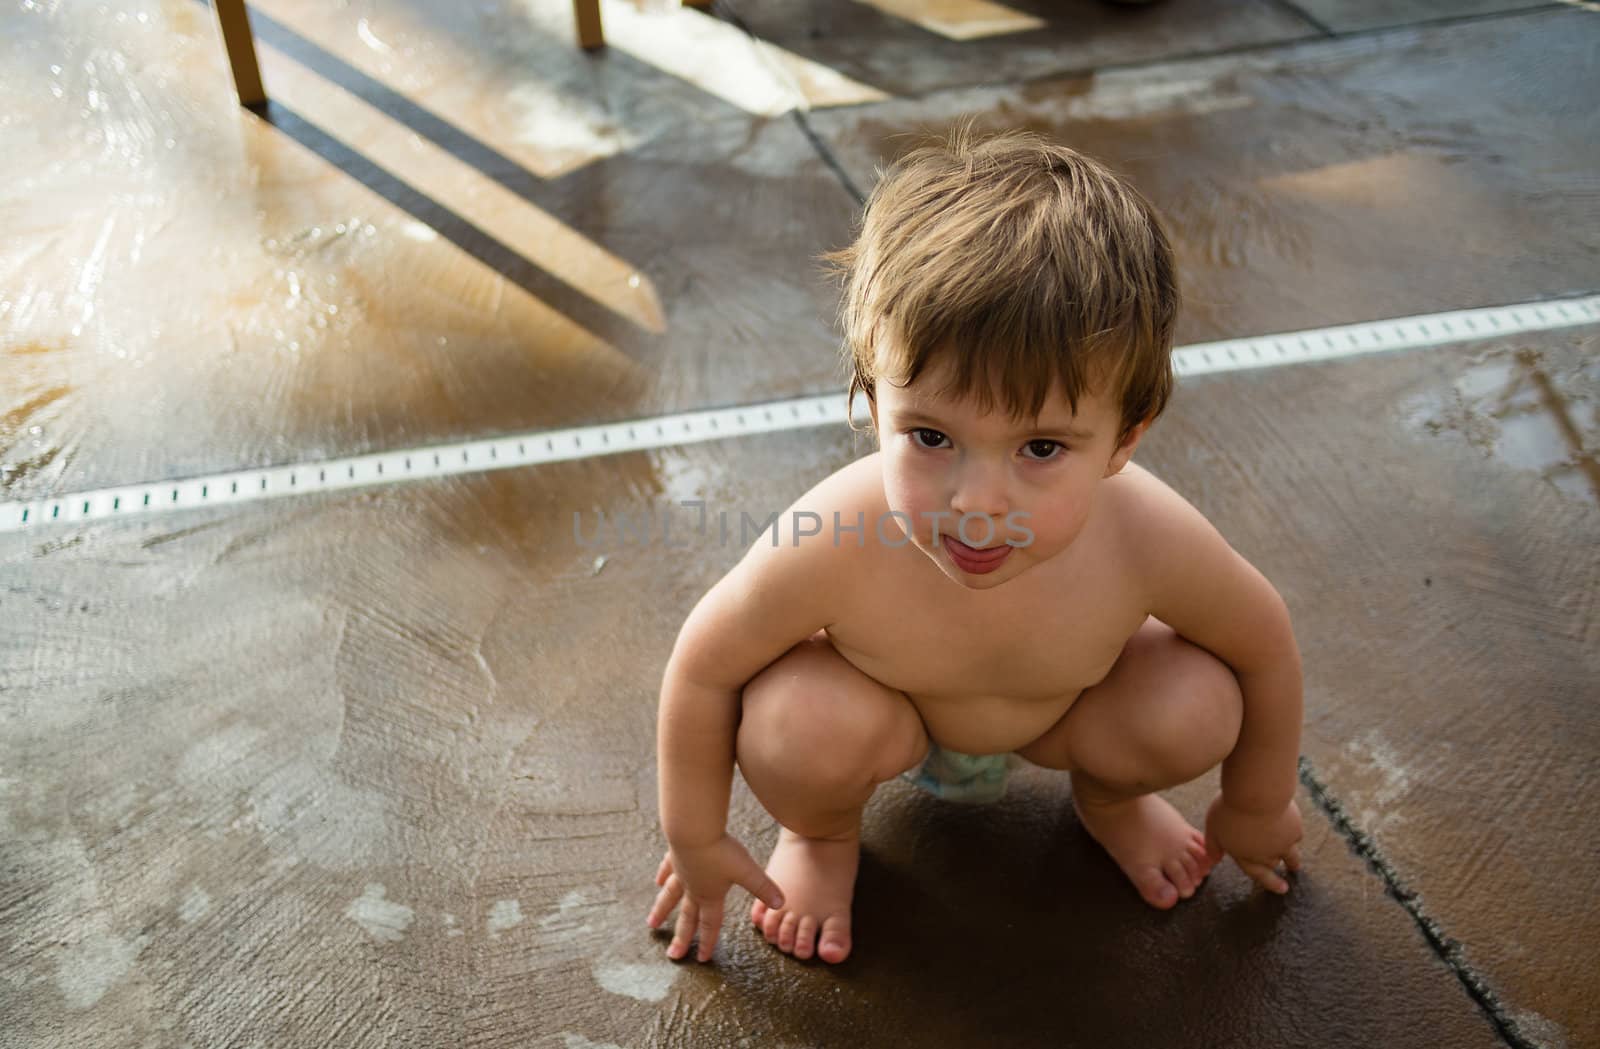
(1124, 452)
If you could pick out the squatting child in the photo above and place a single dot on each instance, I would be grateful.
(997, 581)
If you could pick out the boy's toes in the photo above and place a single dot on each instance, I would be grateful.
(758, 911)
(1155, 888)
(835, 946)
(786, 932)
(1179, 877)
(805, 937)
(769, 926)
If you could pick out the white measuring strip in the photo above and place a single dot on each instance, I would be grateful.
(1401, 333)
(583, 442)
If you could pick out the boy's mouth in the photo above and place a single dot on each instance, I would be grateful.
(972, 559)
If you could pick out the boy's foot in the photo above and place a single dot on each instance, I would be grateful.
(1156, 848)
(818, 878)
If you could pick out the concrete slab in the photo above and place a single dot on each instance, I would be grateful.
(379, 769)
(901, 57)
(505, 77)
(189, 288)
(1346, 16)
(513, 69)
(1430, 519)
(1376, 183)
(1335, 181)
(1367, 179)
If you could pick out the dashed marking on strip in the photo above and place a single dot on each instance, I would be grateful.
(1388, 336)
(586, 442)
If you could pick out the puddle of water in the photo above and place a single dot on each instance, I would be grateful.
(1527, 411)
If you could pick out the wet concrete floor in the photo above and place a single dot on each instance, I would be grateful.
(378, 767)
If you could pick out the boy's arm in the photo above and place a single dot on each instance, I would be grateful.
(773, 599)
(1202, 588)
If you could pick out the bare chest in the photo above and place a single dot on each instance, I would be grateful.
(1042, 638)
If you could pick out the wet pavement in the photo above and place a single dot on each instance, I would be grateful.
(378, 767)
(1298, 181)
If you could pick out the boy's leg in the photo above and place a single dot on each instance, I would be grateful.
(1168, 712)
(816, 737)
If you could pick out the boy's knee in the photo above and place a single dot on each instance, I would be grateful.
(1206, 714)
(806, 710)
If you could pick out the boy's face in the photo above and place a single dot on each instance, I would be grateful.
(988, 497)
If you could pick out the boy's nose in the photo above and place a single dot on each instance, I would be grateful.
(981, 492)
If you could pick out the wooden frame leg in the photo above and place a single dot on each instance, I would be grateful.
(590, 33)
(241, 45)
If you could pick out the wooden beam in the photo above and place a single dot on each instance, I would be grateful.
(590, 33)
(241, 52)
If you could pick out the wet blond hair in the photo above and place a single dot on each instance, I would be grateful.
(1010, 263)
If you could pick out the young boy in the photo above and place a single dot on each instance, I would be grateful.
(998, 579)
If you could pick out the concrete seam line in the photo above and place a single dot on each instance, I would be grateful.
(1447, 948)
(586, 442)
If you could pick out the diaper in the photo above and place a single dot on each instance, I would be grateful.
(973, 779)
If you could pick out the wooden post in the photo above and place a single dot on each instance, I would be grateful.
(590, 33)
(241, 51)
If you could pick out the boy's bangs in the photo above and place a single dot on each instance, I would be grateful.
(1011, 355)
(1010, 270)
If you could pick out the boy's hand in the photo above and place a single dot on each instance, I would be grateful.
(700, 878)
(1257, 841)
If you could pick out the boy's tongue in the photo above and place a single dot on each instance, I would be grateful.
(976, 553)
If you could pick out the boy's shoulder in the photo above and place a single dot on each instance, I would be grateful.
(1151, 520)
(1141, 501)
(854, 491)
(855, 487)
(822, 526)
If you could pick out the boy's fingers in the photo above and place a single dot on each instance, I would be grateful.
(685, 930)
(710, 926)
(1292, 858)
(666, 899)
(1264, 876)
(688, 923)
(664, 870)
(763, 888)
(1213, 850)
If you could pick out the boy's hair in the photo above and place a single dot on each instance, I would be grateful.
(1017, 263)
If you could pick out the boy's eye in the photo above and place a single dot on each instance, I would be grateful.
(925, 438)
(1043, 449)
